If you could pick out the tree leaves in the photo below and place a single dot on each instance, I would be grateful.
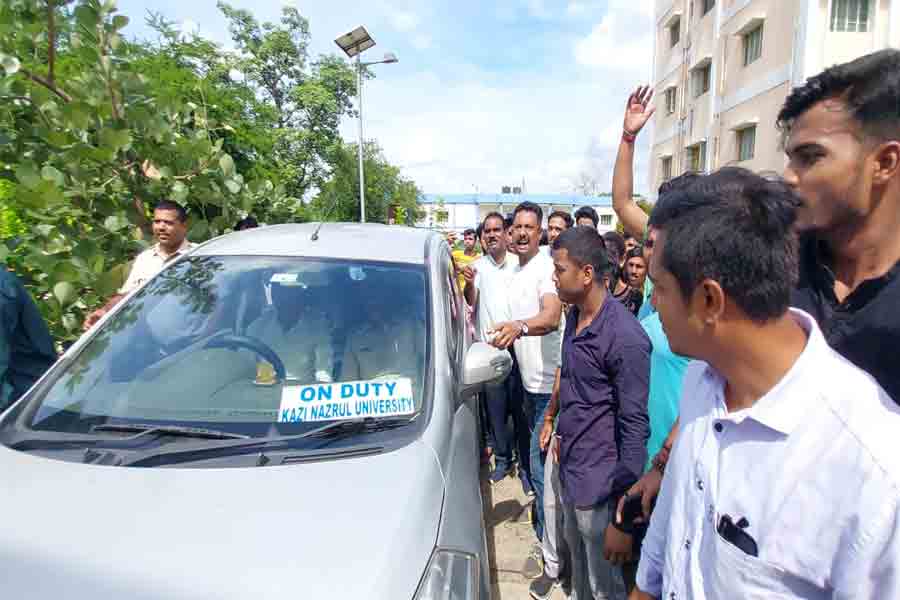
(115, 223)
(124, 124)
(115, 139)
(227, 165)
(10, 64)
(65, 293)
(179, 191)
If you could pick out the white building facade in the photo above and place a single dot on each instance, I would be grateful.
(722, 69)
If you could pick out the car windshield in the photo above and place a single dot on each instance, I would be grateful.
(252, 345)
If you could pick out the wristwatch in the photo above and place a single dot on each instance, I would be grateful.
(524, 330)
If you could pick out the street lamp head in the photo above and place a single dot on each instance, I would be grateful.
(390, 57)
(355, 42)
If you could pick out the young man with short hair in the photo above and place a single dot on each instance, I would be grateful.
(533, 332)
(587, 216)
(466, 256)
(785, 481)
(557, 222)
(602, 423)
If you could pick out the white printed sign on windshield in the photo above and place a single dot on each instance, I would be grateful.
(346, 400)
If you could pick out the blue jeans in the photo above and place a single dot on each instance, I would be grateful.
(537, 404)
(501, 401)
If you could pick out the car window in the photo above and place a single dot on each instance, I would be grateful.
(455, 312)
(233, 340)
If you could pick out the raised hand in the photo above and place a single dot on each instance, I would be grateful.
(636, 111)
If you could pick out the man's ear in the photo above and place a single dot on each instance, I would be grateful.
(887, 162)
(588, 274)
(708, 301)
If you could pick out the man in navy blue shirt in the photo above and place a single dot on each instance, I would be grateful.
(603, 425)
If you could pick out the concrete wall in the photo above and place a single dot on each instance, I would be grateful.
(797, 43)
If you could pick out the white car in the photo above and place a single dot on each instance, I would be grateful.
(284, 412)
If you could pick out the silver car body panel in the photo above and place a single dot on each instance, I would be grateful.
(354, 528)
(350, 241)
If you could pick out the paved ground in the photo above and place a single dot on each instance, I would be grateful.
(509, 537)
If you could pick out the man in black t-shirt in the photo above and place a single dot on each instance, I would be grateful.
(842, 140)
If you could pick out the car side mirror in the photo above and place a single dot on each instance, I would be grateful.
(485, 364)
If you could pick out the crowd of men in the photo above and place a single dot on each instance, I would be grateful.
(708, 407)
(705, 407)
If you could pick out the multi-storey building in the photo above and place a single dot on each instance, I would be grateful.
(722, 69)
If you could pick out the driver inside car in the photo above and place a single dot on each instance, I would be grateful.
(390, 341)
(298, 333)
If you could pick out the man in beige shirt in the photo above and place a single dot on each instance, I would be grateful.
(170, 230)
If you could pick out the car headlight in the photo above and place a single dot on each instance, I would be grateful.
(451, 575)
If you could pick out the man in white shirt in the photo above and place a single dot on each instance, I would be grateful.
(487, 290)
(784, 481)
(533, 331)
(170, 230)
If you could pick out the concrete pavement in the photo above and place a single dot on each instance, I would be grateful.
(509, 537)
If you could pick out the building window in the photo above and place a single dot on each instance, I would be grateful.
(753, 45)
(700, 80)
(671, 99)
(746, 143)
(674, 32)
(850, 15)
(606, 220)
(706, 6)
(697, 157)
(667, 168)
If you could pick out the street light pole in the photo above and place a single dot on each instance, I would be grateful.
(362, 178)
(353, 44)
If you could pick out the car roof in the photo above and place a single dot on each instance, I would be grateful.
(360, 241)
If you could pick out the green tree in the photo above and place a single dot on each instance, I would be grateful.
(338, 198)
(306, 98)
(91, 145)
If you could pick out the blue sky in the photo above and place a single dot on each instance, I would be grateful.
(487, 93)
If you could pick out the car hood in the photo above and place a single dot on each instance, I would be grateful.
(350, 528)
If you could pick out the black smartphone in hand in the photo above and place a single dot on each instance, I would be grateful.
(631, 510)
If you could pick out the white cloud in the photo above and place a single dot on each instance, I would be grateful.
(545, 128)
(622, 40)
(404, 21)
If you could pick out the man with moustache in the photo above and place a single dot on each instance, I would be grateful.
(533, 332)
(487, 291)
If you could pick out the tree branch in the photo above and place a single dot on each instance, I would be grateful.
(50, 86)
(51, 40)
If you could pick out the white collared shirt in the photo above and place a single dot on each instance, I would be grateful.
(492, 282)
(148, 263)
(538, 356)
(813, 466)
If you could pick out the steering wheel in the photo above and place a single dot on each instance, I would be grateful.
(251, 343)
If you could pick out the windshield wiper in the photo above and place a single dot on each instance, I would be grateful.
(329, 431)
(147, 429)
(351, 426)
